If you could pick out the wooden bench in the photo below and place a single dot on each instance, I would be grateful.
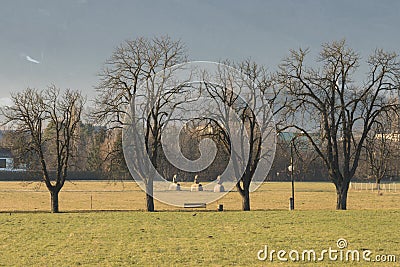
(194, 205)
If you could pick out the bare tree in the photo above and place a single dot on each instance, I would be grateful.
(333, 111)
(380, 147)
(31, 111)
(135, 63)
(255, 109)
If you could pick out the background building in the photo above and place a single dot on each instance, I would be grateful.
(6, 159)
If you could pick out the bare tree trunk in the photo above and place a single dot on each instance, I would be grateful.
(149, 195)
(341, 191)
(149, 203)
(245, 194)
(54, 201)
(246, 200)
(245, 197)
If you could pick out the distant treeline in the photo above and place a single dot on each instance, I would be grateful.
(29, 176)
(37, 176)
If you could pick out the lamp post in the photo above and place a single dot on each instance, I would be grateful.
(291, 169)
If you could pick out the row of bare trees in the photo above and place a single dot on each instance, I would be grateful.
(339, 114)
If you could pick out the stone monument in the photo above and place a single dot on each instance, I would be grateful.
(175, 186)
(219, 187)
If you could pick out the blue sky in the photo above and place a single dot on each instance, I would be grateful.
(71, 39)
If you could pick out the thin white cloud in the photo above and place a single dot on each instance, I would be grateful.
(32, 60)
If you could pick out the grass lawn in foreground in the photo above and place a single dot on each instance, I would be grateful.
(190, 238)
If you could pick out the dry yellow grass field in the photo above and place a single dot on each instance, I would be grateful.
(104, 195)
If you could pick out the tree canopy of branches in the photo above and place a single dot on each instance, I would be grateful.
(31, 112)
(132, 64)
(332, 109)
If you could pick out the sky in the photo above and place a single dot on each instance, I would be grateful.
(66, 42)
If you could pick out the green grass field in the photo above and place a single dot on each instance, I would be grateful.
(179, 238)
(190, 237)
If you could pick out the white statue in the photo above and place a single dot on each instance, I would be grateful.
(219, 187)
(175, 186)
(196, 186)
